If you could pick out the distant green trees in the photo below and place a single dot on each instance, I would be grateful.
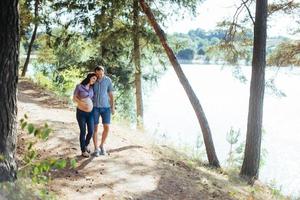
(186, 54)
(196, 44)
(213, 46)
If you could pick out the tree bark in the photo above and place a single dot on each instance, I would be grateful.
(137, 64)
(25, 67)
(250, 167)
(208, 141)
(9, 54)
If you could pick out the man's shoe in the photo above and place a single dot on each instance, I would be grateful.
(85, 154)
(102, 151)
(96, 152)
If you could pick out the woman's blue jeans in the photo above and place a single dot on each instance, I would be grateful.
(85, 119)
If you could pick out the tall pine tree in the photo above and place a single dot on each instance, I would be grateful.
(9, 53)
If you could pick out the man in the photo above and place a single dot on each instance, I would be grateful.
(103, 106)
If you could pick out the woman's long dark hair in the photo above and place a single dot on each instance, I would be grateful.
(88, 78)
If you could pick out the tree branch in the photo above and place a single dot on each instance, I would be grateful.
(249, 12)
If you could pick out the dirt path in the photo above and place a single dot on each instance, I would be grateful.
(134, 169)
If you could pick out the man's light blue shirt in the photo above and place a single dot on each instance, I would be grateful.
(101, 89)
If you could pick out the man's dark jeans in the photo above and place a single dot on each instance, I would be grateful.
(85, 119)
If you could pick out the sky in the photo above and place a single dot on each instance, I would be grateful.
(210, 12)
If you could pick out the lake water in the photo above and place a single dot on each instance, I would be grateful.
(169, 115)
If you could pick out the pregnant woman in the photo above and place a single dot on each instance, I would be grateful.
(83, 95)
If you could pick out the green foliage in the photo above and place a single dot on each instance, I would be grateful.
(73, 163)
(236, 45)
(180, 41)
(63, 50)
(30, 128)
(62, 83)
(43, 81)
(286, 7)
(33, 170)
(285, 54)
(65, 81)
(60, 164)
(39, 132)
(27, 17)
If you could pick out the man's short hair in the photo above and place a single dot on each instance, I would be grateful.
(100, 67)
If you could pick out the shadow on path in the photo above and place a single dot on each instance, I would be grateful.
(124, 148)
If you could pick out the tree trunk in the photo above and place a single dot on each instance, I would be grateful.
(208, 141)
(250, 167)
(137, 64)
(9, 53)
(25, 67)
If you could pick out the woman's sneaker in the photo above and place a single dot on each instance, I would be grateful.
(85, 154)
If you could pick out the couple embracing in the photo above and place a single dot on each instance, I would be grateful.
(94, 98)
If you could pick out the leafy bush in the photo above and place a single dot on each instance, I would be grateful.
(61, 83)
